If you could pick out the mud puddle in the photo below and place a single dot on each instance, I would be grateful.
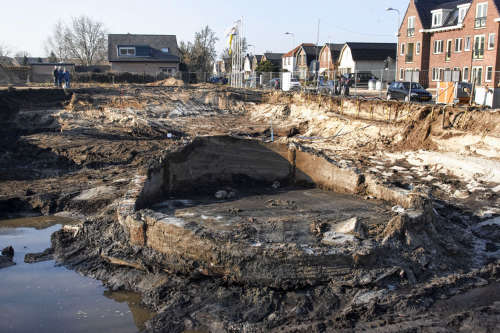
(43, 297)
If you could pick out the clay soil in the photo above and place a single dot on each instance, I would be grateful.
(76, 153)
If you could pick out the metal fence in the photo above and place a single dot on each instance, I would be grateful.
(447, 86)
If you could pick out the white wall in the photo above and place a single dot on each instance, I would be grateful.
(346, 63)
(292, 65)
(247, 66)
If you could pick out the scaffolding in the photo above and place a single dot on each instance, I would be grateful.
(237, 61)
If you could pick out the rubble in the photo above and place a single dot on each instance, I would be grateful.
(362, 215)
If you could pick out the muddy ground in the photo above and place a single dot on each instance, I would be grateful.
(267, 248)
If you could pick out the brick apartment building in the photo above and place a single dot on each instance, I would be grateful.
(451, 41)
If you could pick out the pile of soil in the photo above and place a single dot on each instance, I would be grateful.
(170, 82)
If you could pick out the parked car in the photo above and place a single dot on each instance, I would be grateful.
(334, 87)
(362, 78)
(218, 79)
(295, 84)
(401, 90)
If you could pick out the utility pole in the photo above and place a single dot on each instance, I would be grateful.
(397, 38)
(316, 65)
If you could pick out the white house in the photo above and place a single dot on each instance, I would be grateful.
(289, 61)
(367, 57)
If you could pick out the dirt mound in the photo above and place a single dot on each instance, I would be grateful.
(417, 132)
(170, 82)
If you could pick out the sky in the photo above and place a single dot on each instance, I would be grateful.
(26, 25)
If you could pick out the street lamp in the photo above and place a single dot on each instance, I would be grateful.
(390, 9)
(251, 45)
(293, 36)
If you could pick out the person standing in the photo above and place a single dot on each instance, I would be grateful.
(56, 76)
(67, 78)
(60, 77)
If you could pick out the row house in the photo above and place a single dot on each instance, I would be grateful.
(289, 59)
(274, 58)
(306, 56)
(450, 41)
(328, 57)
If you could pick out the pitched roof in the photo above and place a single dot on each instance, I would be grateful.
(335, 50)
(312, 52)
(150, 47)
(424, 8)
(273, 56)
(258, 57)
(295, 50)
(372, 51)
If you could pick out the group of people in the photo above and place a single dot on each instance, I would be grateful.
(62, 77)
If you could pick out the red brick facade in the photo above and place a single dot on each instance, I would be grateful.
(454, 53)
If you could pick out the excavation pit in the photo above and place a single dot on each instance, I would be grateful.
(258, 213)
(267, 216)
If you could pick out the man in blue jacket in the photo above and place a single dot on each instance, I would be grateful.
(67, 78)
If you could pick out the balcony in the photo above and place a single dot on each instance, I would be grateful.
(409, 58)
(480, 22)
(410, 32)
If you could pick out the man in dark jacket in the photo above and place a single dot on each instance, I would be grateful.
(60, 77)
(56, 76)
(67, 78)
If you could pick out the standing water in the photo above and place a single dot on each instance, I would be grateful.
(43, 297)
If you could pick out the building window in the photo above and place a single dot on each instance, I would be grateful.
(126, 51)
(461, 14)
(436, 74)
(165, 50)
(438, 46)
(437, 19)
(458, 44)
(411, 26)
(481, 13)
(401, 73)
(417, 49)
(478, 47)
(491, 41)
(465, 76)
(477, 75)
(402, 48)
(467, 43)
(489, 74)
(449, 43)
(409, 53)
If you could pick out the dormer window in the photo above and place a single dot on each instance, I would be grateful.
(481, 13)
(437, 19)
(461, 14)
(126, 51)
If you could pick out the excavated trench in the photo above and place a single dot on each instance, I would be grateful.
(261, 213)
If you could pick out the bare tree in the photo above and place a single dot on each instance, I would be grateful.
(200, 55)
(4, 50)
(84, 39)
(55, 44)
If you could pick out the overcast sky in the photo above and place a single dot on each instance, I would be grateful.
(26, 24)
